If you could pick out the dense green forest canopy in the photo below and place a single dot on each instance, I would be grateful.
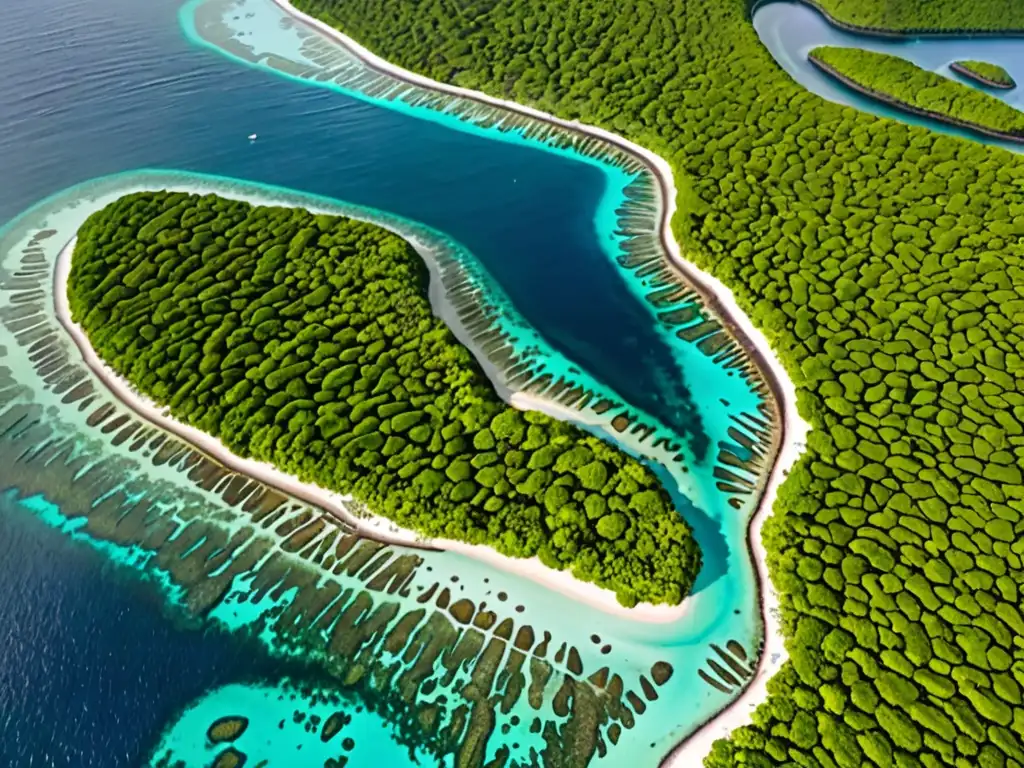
(309, 342)
(905, 84)
(986, 73)
(939, 15)
(884, 263)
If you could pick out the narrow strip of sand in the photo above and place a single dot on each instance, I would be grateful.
(340, 505)
(722, 302)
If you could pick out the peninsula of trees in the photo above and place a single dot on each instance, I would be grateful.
(985, 73)
(906, 86)
(885, 264)
(308, 341)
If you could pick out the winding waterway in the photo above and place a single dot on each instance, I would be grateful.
(790, 30)
(98, 90)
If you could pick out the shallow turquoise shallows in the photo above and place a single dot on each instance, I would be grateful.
(283, 725)
(723, 611)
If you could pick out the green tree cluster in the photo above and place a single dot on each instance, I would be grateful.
(985, 72)
(309, 342)
(885, 264)
(904, 85)
(926, 15)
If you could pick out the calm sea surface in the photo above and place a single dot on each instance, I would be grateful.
(92, 88)
(94, 664)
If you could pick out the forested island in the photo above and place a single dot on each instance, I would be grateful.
(926, 15)
(884, 263)
(985, 73)
(906, 86)
(308, 341)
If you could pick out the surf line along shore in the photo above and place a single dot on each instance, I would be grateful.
(721, 301)
(339, 505)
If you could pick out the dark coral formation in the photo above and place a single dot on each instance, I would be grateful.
(227, 728)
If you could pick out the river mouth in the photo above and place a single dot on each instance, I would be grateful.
(375, 155)
(790, 30)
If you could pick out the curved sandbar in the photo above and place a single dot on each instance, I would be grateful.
(885, 98)
(965, 69)
(338, 504)
(789, 438)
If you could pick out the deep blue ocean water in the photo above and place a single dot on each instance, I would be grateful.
(94, 662)
(89, 88)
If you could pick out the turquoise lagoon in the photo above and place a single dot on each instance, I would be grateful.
(242, 566)
(284, 725)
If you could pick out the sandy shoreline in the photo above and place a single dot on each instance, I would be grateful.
(369, 525)
(334, 503)
(720, 300)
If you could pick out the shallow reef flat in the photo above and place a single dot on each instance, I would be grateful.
(246, 723)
